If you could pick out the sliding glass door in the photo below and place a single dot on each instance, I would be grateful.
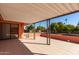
(9, 31)
(14, 31)
(4, 31)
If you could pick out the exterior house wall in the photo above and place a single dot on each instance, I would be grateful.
(20, 29)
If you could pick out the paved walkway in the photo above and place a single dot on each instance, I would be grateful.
(57, 47)
(13, 47)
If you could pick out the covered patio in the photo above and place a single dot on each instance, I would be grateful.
(35, 44)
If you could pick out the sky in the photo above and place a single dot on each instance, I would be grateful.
(72, 19)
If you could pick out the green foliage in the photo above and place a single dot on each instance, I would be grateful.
(41, 28)
(77, 28)
(60, 27)
(29, 28)
(57, 27)
(69, 28)
(54, 27)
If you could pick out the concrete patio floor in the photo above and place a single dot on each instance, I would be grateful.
(57, 47)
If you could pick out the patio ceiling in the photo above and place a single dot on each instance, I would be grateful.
(30, 13)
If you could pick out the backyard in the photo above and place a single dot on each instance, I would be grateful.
(61, 28)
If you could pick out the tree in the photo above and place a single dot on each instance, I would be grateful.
(77, 28)
(57, 27)
(69, 28)
(29, 28)
(41, 28)
(61, 27)
(54, 27)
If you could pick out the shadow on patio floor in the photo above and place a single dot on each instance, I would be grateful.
(35, 43)
(13, 47)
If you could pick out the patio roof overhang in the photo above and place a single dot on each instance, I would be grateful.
(30, 13)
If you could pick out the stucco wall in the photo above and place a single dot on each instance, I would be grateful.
(62, 37)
